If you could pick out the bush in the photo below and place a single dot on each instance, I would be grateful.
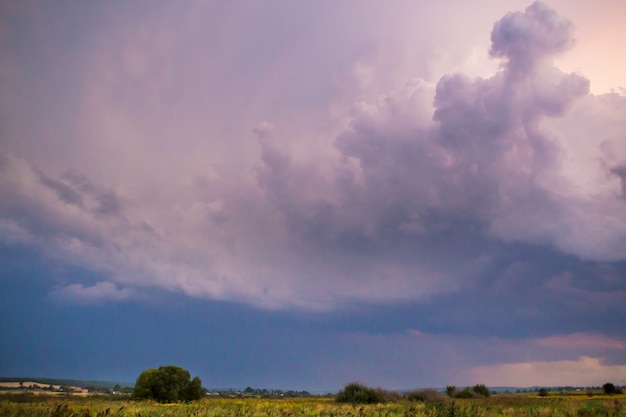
(478, 390)
(466, 393)
(168, 384)
(424, 395)
(358, 394)
(543, 392)
(386, 396)
(481, 390)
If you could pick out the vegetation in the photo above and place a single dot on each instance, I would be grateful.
(479, 390)
(610, 388)
(512, 405)
(359, 394)
(354, 400)
(424, 395)
(168, 384)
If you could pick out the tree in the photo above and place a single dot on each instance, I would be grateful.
(450, 390)
(481, 390)
(610, 388)
(168, 384)
(543, 392)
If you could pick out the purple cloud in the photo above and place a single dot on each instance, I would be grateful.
(524, 39)
(378, 187)
(363, 212)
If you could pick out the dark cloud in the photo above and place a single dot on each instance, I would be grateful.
(620, 171)
(106, 201)
(474, 220)
(65, 191)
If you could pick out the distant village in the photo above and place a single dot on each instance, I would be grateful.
(31, 386)
(55, 387)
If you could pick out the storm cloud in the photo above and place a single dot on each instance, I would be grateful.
(434, 198)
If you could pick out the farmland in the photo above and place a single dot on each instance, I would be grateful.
(531, 405)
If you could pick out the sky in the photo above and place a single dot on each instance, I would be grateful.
(298, 195)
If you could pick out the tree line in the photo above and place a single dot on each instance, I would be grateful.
(171, 383)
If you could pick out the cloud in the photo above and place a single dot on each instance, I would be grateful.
(523, 39)
(582, 340)
(401, 199)
(408, 359)
(99, 293)
(582, 372)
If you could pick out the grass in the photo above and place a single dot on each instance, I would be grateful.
(530, 405)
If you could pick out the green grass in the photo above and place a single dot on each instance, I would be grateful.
(498, 405)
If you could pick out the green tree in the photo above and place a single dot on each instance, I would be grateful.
(168, 384)
(610, 388)
(450, 390)
(481, 390)
(195, 390)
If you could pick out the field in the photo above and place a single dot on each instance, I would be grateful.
(25, 405)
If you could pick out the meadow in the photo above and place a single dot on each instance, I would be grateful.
(530, 405)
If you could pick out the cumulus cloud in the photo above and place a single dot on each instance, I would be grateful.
(524, 39)
(403, 202)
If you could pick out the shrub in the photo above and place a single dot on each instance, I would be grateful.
(451, 390)
(386, 396)
(481, 390)
(466, 393)
(358, 394)
(424, 395)
(543, 392)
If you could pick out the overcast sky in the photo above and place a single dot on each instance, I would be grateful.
(299, 194)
